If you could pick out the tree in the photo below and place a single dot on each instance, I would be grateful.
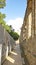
(2, 16)
(2, 3)
(14, 35)
(12, 28)
(8, 28)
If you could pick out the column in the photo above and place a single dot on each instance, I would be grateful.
(29, 24)
(0, 52)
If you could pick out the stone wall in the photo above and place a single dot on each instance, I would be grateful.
(6, 44)
(28, 34)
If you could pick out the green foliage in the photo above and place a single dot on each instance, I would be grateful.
(8, 28)
(2, 16)
(2, 22)
(11, 32)
(14, 35)
(2, 3)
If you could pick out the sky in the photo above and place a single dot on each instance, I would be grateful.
(15, 11)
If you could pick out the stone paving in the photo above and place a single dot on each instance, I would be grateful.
(14, 57)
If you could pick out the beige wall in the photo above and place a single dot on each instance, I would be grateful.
(28, 38)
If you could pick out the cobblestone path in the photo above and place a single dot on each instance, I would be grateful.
(15, 57)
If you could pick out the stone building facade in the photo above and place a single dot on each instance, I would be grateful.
(6, 44)
(28, 34)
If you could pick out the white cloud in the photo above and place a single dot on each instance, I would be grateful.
(16, 24)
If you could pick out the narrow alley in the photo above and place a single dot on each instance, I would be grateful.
(14, 57)
(18, 32)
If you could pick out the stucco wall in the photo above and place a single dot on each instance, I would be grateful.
(7, 43)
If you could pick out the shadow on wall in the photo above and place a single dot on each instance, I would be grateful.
(28, 51)
(24, 56)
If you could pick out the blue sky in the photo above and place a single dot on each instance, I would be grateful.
(14, 9)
